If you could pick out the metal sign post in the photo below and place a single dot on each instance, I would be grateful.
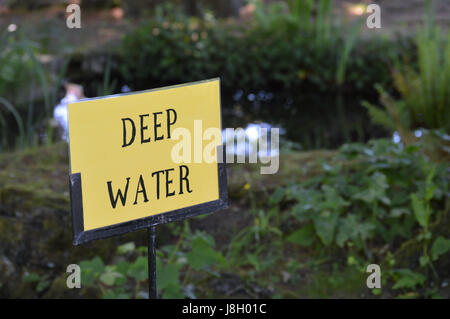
(152, 291)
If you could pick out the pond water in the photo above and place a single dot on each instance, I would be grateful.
(309, 120)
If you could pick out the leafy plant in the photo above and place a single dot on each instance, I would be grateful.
(286, 45)
(424, 92)
(127, 276)
(41, 282)
(408, 279)
(390, 194)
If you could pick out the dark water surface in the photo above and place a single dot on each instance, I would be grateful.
(311, 120)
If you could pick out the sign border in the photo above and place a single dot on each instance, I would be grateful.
(80, 236)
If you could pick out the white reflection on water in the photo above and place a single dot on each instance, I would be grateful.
(253, 133)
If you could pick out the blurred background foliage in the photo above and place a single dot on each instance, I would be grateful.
(377, 100)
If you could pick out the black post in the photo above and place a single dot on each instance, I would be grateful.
(152, 292)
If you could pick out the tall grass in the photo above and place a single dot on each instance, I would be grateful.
(301, 17)
(424, 90)
(9, 107)
(19, 61)
(313, 19)
(109, 84)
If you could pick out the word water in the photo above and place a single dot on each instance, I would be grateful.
(164, 184)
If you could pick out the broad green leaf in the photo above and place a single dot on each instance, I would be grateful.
(202, 255)
(440, 247)
(139, 269)
(173, 291)
(116, 294)
(350, 228)
(409, 279)
(398, 212)
(110, 276)
(325, 225)
(277, 196)
(31, 277)
(424, 260)
(167, 275)
(419, 210)
(205, 236)
(42, 285)
(333, 200)
(122, 266)
(304, 236)
(430, 192)
(302, 211)
(367, 196)
(91, 270)
(126, 248)
(253, 260)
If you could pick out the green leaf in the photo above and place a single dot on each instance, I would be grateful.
(167, 276)
(377, 185)
(202, 255)
(430, 192)
(376, 291)
(440, 247)
(110, 276)
(408, 279)
(302, 211)
(304, 236)
(173, 291)
(139, 269)
(424, 260)
(31, 277)
(419, 210)
(122, 267)
(368, 196)
(116, 294)
(398, 212)
(126, 248)
(350, 228)
(42, 285)
(91, 270)
(253, 260)
(325, 225)
(277, 196)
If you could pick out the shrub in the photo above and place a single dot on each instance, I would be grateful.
(275, 51)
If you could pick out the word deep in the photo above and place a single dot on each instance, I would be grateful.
(158, 132)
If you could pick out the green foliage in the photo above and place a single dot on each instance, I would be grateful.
(285, 46)
(20, 72)
(125, 279)
(92, 270)
(406, 278)
(41, 282)
(367, 203)
(304, 236)
(15, 63)
(202, 254)
(390, 194)
(355, 207)
(440, 247)
(424, 92)
(313, 236)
